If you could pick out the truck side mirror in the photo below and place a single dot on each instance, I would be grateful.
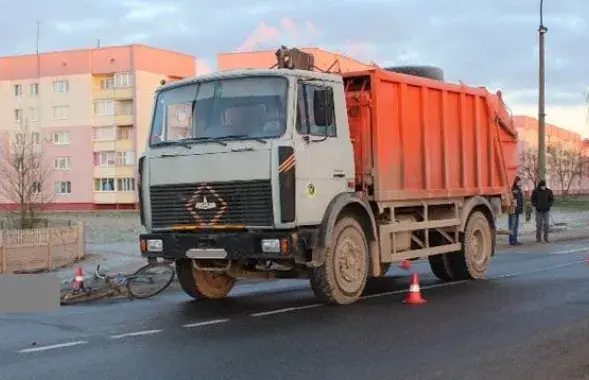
(323, 110)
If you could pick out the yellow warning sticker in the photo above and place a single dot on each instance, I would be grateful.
(311, 191)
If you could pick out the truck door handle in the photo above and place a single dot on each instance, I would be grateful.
(339, 175)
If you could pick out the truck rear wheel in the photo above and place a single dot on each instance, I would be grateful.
(440, 266)
(473, 260)
(342, 277)
(203, 284)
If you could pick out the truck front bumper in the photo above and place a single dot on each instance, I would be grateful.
(222, 245)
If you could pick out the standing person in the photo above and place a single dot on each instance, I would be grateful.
(513, 220)
(542, 200)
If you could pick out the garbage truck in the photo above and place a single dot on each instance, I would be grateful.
(289, 172)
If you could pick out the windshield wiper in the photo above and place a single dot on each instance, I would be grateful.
(245, 137)
(204, 139)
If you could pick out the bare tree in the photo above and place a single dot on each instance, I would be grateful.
(566, 165)
(529, 164)
(24, 175)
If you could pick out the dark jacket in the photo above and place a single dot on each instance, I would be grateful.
(542, 199)
(518, 195)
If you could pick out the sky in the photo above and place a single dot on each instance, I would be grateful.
(491, 43)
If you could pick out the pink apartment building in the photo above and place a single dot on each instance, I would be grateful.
(527, 128)
(90, 110)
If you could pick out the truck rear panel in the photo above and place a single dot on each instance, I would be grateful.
(428, 139)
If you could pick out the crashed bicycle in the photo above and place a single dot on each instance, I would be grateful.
(142, 284)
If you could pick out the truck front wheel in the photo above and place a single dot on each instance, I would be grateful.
(473, 260)
(342, 277)
(203, 284)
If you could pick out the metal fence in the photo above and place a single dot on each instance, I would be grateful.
(41, 248)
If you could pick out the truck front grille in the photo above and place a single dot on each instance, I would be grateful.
(247, 203)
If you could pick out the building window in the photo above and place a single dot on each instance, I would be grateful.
(63, 187)
(126, 184)
(20, 139)
(34, 114)
(104, 159)
(17, 90)
(123, 79)
(106, 84)
(104, 184)
(125, 158)
(34, 89)
(104, 133)
(63, 163)
(18, 114)
(125, 107)
(60, 138)
(36, 187)
(124, 132)
(36, 138)
(104, 107)
(61, 112)
(61, 86)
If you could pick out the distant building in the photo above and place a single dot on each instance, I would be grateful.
(90, 110)
(556, 138)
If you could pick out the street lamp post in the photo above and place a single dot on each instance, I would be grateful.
(542, 30)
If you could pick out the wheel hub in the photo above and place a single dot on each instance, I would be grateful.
(349, 265)
(477, 248)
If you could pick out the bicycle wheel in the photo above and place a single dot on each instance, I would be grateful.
(71, 298)
(150, 280)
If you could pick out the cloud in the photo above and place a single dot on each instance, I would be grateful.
(477, 42)
(145, 11)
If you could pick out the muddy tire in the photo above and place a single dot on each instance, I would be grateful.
(202, 284)
(431, 72)
(440, 266)
(342, 278)
(384, 268)
(472, 262)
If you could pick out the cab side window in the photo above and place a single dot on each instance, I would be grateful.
(315, 111)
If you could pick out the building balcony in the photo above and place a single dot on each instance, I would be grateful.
(114, 171)
(120, 93)
(124, 119)
(104, 120)
(115, 197)
(112, 145)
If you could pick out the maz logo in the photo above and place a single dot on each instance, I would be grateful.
(205, 205)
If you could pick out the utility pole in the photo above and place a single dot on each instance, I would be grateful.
(542, 30)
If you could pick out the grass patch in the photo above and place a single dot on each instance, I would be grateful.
(572, 202)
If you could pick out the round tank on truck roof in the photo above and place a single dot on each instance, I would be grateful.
(431, 72)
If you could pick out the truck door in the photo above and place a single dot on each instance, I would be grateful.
(324, 154)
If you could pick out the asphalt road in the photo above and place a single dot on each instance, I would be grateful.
(528, 321)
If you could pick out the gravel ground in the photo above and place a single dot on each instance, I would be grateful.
(106, 226)
(103, 227)
(123, 226)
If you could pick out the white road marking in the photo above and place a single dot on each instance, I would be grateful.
(285, 310)
(61, 345)
(137, 333)
(584, 249)
(545, 269)
(206, 323)
(401, 291)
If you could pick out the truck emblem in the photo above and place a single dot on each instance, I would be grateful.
(203, 193)
(204, 205)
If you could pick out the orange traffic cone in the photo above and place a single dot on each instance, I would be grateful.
(414, 295)
(406, 264)
(78, 279)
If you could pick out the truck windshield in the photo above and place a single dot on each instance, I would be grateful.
(236, 108)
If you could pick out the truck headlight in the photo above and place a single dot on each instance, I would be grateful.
(155, 245)
(271, 245)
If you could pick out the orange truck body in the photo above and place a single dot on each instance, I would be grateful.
(429, 139)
